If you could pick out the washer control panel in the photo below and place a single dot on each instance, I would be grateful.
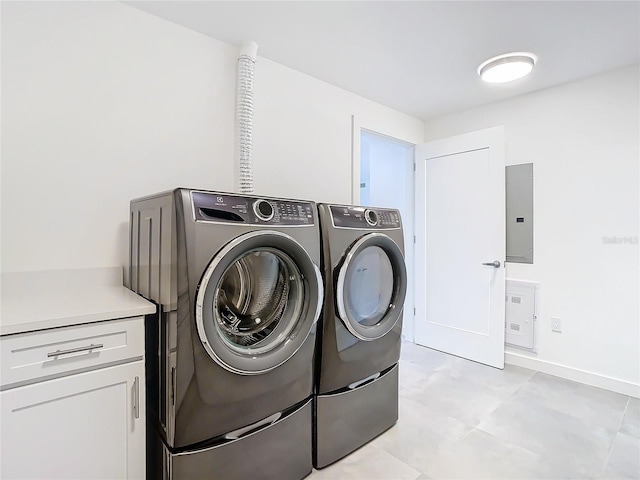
(365, 218)
(230, 208)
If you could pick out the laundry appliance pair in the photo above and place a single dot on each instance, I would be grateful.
(237, 367)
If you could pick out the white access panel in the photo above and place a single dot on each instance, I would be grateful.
(520, 314)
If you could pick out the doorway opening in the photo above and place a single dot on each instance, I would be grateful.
(386, 180)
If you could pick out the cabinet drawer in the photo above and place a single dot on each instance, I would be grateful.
(50, 353)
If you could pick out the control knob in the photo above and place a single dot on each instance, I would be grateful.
(371, 217)
(263, 210)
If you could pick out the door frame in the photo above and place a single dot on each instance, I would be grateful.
(390, 131)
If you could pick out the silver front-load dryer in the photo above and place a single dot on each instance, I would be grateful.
(359, 345)
(230, 354)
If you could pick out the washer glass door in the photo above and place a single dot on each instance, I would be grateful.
(257, 302)
(371, 287)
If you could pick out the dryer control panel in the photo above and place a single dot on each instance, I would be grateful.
(364, 218)
(229, 208)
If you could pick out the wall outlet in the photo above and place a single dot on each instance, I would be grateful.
(556, 324)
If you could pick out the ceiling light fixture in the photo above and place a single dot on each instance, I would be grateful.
(507, 67)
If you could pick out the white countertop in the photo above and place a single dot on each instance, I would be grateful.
(40, 300)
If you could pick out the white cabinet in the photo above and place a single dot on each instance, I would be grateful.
(72, 402)
(83, 426)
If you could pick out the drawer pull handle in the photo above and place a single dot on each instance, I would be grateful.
(136, 397)
(57, 353)
(236, 434)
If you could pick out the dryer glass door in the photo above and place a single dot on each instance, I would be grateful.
(257, 302)
(371, 286)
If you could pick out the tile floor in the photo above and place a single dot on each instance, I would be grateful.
(462, 420)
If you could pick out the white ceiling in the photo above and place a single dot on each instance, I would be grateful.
(420, 57)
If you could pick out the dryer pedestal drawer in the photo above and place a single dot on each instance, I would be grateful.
(347, 420)
(36, 356)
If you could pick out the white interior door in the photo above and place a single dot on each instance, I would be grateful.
(460, 227)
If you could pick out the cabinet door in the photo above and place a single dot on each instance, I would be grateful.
(85, 426)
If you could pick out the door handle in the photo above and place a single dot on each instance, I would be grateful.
(495, 264)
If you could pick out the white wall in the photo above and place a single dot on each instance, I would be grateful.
(583, 139)
(303, 134)
(102, 103)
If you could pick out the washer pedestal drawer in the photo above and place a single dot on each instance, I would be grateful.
(345, 421)
(280, 451)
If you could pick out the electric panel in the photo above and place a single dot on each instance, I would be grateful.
(519, 202)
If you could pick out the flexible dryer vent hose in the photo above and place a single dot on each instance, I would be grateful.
(244, 116)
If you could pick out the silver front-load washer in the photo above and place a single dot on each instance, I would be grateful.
(230, 354)
(359, 345)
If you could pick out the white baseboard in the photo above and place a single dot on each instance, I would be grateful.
(581, 376)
